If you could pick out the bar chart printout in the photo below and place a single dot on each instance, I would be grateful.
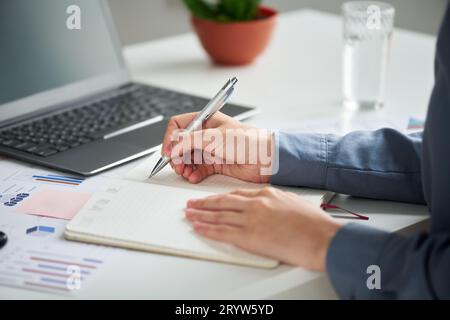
(35, 205)
(50, 268)
(58, 179)
(34, 191)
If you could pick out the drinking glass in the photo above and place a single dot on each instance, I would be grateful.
(368, 27)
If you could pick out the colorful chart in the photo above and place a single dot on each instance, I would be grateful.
(10, 200)
(40, 231)
(36, 256)
(57, 179)
(48, 268)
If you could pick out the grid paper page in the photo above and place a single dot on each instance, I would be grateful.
(150, 217)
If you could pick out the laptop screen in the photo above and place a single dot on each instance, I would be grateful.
(49, 44)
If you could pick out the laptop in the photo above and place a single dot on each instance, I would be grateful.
(66, 98)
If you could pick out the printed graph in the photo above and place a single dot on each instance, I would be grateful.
(40, 231)
(12, 199)
(46, 269)
(58, 180)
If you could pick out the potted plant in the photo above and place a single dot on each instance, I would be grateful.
(232, 32)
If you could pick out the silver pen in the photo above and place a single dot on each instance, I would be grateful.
(214, 105)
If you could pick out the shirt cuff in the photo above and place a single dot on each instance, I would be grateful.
(352, 250)
(300, 160)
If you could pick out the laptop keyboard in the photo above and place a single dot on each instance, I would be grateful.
(70, 129)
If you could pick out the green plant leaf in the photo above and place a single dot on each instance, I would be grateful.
(224, 10)
(230, 8)
(223, 18)
(200, 9)
(252, 9)
(239, 10)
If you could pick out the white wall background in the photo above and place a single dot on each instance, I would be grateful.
(143, 20)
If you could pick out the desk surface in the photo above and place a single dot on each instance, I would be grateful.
(297, 78)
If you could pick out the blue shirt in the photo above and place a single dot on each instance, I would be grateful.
(385, 164)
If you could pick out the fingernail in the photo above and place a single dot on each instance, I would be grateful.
(190, 203)
(198, 227)
(166, 151)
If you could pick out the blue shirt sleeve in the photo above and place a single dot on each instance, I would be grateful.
(383, 164)
(409, 268)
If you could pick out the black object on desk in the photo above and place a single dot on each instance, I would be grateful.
(3, 239)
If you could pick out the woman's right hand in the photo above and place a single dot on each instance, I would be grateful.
(215, 154)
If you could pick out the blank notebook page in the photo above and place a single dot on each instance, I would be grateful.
(150, 217)
(214, 184)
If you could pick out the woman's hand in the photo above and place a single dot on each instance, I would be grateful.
(268, 222)
(218, 126)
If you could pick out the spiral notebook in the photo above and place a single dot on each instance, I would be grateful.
(141, 214)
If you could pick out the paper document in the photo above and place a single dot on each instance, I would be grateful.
(36, 256)
(28, 189)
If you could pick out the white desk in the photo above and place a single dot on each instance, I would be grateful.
(297, 78)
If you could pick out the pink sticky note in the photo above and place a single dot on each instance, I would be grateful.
(54, 203)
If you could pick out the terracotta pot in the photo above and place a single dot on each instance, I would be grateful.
(236, 43)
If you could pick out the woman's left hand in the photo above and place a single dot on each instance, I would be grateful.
(268, 222)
